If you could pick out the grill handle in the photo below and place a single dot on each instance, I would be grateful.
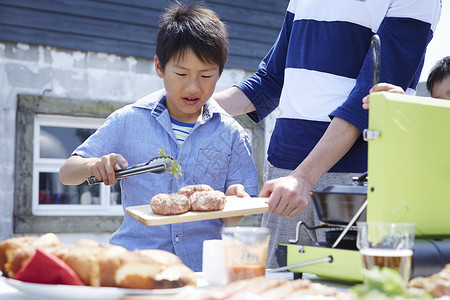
(303, 264)
(375, 48)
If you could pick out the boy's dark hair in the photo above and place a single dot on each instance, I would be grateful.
(439, 72)
(192, 27)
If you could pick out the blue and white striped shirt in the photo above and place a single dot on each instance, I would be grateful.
(320, 67)
(181, 130)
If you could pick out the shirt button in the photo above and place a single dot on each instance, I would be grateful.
(177, 239)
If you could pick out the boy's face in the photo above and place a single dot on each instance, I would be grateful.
(441, 89)
(189, 83)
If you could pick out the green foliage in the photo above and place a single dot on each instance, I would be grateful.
(176, 169)
(385, 283)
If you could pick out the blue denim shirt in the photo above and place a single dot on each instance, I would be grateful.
(217, 153)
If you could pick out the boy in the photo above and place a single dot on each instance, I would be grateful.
(212, 148)
(438, 83)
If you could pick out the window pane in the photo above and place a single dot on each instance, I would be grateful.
(115, 194)
(59, 142)
(52, 191)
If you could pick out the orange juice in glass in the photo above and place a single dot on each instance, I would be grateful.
(245, 252)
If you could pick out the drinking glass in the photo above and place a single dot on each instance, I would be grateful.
(387, 244)
(245, 251)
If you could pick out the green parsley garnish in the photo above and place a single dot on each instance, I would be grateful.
(176, 170)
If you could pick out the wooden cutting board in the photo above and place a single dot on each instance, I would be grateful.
(235, 206)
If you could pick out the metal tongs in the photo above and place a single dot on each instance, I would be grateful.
(155, 165)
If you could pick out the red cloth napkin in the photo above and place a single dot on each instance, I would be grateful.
(47, 268)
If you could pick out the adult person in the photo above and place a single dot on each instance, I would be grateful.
(315, 75)
(438, 83)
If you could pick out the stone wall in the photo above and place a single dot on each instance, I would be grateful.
(41, 70)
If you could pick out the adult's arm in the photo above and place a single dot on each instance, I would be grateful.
(289, 196)
(259, 94)
(234, 101)
(405, 32)
(401, 63)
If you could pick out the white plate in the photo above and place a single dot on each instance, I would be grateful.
(60, 291)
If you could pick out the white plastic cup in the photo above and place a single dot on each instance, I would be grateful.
(214, 262)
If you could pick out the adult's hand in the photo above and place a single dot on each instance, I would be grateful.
(288, 196)
(381, 87)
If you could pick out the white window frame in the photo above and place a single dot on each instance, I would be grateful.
(50, 165)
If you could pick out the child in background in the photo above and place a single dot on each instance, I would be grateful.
(183, 120)
(438, 83)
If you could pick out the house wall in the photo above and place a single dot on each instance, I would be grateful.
(129, 27)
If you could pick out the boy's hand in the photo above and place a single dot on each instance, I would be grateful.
(235, 190)
(104, 167)
(381, 87)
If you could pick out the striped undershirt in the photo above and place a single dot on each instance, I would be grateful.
(181, 130)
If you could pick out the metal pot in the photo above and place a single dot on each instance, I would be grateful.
(337, 204)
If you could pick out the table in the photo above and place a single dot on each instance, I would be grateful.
(10, 293)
